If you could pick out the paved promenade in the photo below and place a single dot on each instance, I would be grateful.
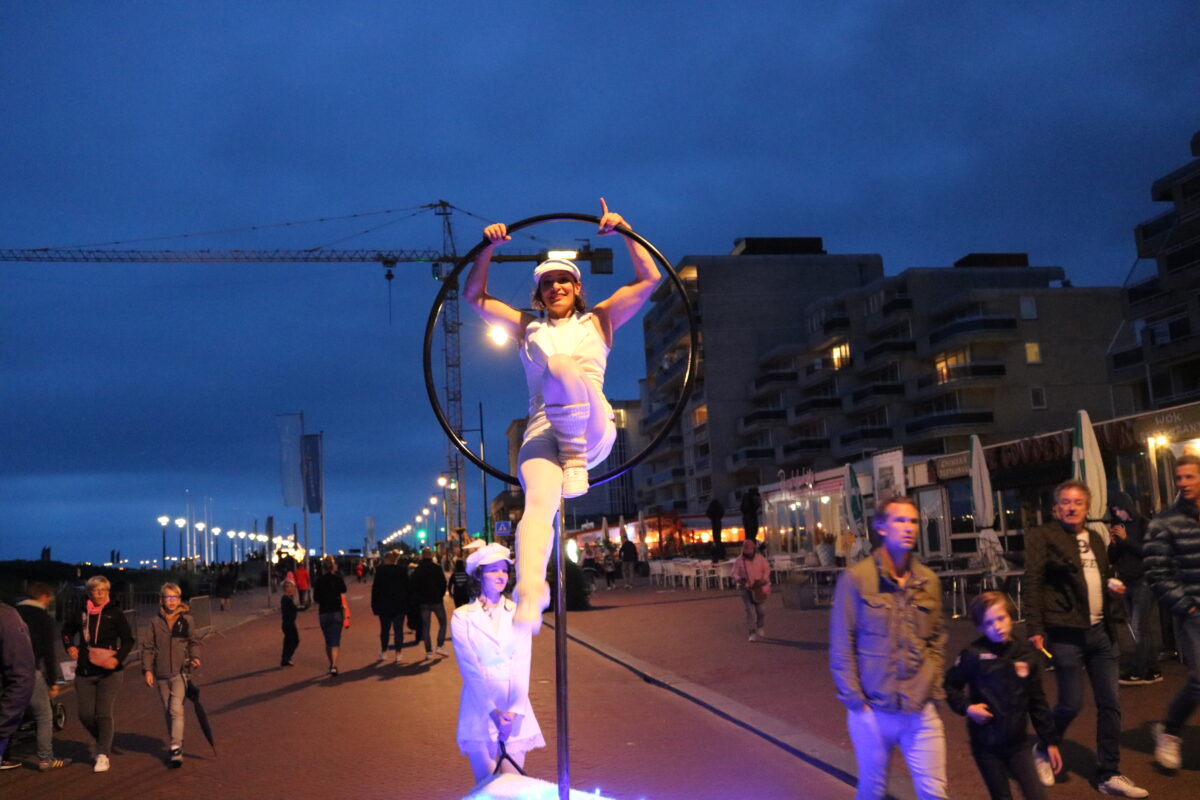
(668, 700)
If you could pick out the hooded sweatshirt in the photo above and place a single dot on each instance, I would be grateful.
(1126, 554)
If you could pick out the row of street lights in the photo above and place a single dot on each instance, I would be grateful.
(427, 512)
(235, 538)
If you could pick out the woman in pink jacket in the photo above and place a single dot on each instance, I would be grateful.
(753, 576)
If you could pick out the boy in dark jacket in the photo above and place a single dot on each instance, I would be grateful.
(996, 683)
(1139, 651)
(42, 634)
(287, 613)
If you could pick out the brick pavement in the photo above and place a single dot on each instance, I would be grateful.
(697, 639)
(388, 732)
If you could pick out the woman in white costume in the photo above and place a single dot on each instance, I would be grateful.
(493, 657)
(570, 427)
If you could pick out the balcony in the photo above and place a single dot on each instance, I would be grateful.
(676, 335)
(1124, 359)
(948, 419)
(813, 405)
(1149, 235)
(666, 476)
(669, 378)
(838, 321)
(878, 389)
(803, 446)
(864, 433)
(763, 417)
(900, 302)
(1141, 292)
(747, 457)
(987, 324)
(775, 379)
(654, 419)
(976, 370)
(825, 368)
(702, 464)
(889, 347)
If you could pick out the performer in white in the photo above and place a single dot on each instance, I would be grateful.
(493, 657)
(570, 427)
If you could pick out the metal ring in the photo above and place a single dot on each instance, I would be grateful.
(689, 376)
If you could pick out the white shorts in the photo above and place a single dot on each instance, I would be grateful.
(541, 441)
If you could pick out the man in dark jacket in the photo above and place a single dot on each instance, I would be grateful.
(1173, 569)
(1139, 657)
(629, 559)
(389, 596)
(1072, 609)
(429, 585)
(17, 676)
(42, 635)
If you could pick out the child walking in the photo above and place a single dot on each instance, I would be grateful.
(997, 683)
(170, 646)
(287, 613)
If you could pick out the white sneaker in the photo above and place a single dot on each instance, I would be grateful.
(441, 651)
(101, 764)
(752, 637)
(1166, 747)
(398, 660)
(382, 655)
(1120, 786)
(575, 482)
(1043, 767)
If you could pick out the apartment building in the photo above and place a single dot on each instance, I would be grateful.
(749, 304)
(1156, 363)
(989, 346)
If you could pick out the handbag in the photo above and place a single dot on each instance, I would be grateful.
(758, 593)
(99, 656)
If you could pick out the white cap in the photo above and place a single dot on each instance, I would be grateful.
(474, 544)
(488, 554)
(553, 264)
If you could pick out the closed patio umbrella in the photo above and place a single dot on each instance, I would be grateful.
(983, 507)
(855, 514)
(1087, 465)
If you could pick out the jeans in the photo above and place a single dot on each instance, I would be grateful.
(97, 695)
(921, 739)
(171, 690)
(387, 624)
(291, 640)
(1188, 698)
(43, 714)
(438, 610)
(1140, 655)
(997, 764)
(755, 613)
(1078, 652)
(627, 570)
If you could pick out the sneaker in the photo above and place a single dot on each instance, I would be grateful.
(287, 663)
(1129, 679)
(575, 482)
(333, 672)
(428, 655)
(1154, 677)
(761, 633)
(382, 655)
(1166, 747)
(398, 660)
(752, 637)
(176, 759)
(1041, 763)
(6, 764)
(54, 763)
(1120, 786)
(101, 764)
(441, 651)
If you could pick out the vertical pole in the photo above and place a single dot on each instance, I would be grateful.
(321, 460)
(487, 511)
(560, 658)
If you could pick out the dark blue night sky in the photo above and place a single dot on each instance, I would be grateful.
(921, 131)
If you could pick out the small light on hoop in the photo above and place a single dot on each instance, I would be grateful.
(497, 335)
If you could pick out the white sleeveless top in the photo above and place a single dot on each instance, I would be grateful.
(575, 336)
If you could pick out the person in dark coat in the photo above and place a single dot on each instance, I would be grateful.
(333, 613)
(1139, 652)
(429, 586)
(288, 612)
(389, 597)
(460, 584)
(996, 683)
(17, 676)
(42, 635)
(100, 641)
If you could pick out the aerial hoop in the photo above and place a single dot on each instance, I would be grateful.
(689, 375)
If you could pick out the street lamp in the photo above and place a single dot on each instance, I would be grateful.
(216, 543)
(164, 520)
(200, 526)
(242, 536)
(181, 523)
(232, 535)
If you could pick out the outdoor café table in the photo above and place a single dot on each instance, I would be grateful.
(958, 588)
(815, 574)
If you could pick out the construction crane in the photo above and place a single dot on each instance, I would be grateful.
(388, 259)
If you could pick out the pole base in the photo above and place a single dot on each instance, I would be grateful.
(509, 786)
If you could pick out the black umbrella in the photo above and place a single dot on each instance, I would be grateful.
(193, 693)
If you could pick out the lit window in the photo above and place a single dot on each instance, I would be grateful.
(945, 363)
(699, 416)
(840, 355)
(1033, 353)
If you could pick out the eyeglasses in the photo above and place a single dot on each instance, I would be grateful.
(170, 597)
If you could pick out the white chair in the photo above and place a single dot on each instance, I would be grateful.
(656, 572)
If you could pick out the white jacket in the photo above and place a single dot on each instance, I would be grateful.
(495, 673)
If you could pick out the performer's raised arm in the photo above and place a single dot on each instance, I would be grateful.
(629, 299)
(475, 292)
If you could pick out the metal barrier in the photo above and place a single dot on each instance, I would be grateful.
(201, 611)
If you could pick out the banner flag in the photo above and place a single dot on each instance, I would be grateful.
(289, 458)
(310, 468)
